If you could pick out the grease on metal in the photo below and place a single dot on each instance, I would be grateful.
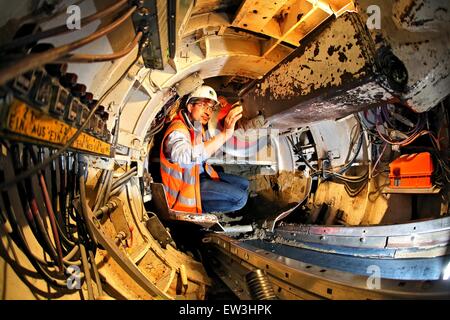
(326, 62)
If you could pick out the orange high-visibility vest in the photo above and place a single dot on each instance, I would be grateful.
(182, 185)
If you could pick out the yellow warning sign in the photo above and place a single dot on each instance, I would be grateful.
(33, 123)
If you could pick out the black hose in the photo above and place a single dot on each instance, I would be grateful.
(124, 178)
(355, 155)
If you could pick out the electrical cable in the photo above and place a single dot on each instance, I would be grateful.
(378, 161)
(156, 129)
(348, 181)
(107, 194)
(411, 136)
(330, 173)
(19, 238)
(299, 153)
(28, 183)
(96, 274)
(87, 272)
(67, 259)
(49, 207)
(62, 29)
(15, 153)
(35, 60)
(47, 161)
(345, 167)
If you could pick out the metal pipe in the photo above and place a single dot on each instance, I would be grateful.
(184, 278)
(122, 259)
(116, 191)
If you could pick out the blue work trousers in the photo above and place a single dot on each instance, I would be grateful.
(228, 194)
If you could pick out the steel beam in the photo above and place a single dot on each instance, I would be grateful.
(332, 74)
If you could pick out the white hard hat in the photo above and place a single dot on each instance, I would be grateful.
(205, 92)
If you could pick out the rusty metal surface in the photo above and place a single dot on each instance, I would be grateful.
(417, 32)
(158, 231)
(122, 259)
(119, 220)
(330, 76)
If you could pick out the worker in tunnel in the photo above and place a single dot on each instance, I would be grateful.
(191, 184)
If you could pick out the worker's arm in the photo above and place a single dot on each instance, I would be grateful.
(214, 144)
(178, 147)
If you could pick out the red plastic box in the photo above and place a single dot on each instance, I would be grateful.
(411, 171)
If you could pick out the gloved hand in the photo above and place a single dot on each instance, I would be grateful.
(225, 107)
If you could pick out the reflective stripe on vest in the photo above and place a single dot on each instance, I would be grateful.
(179, 198)
(186, 177)
(211, 172)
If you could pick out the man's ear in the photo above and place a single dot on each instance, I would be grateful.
(189, 107)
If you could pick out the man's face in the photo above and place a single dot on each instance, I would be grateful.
(201, 109)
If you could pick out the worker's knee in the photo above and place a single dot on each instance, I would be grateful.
(243, 197)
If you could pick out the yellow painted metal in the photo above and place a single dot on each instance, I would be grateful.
(31, 123)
